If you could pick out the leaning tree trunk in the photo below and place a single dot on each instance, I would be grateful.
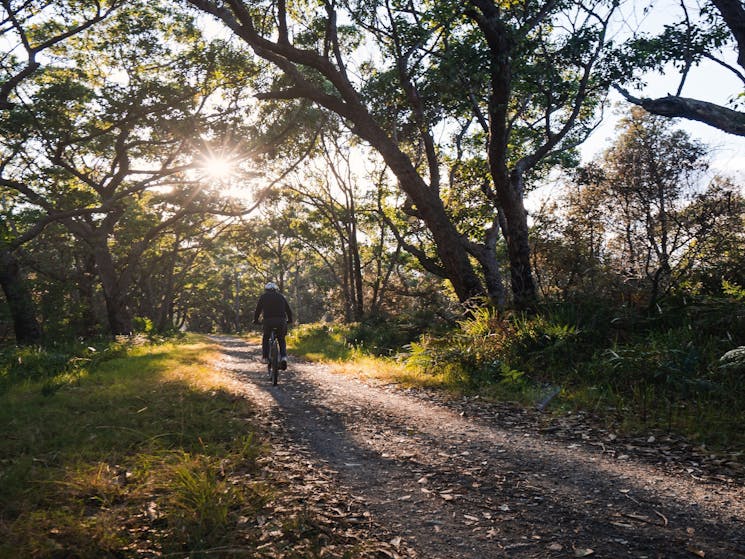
(449, 242)
(22, 308)
(486, 255)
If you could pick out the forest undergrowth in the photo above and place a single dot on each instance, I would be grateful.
(678, 368)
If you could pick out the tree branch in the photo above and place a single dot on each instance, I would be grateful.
(727, 120)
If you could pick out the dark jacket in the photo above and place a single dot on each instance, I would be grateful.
(275, 308)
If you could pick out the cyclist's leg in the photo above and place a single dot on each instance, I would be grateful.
(281, 333)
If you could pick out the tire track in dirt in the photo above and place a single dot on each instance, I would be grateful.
(451, 486)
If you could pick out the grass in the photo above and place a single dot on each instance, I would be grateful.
(330, 344)
(137, 456)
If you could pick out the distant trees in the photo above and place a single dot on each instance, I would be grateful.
(643, 217)
(108, 140)
(29, 29)
(387, 147)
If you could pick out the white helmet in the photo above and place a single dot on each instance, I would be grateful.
(271, 286)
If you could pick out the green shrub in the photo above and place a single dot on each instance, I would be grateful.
(142, 324)
(55, 365)
(320, 341)
(661, 368)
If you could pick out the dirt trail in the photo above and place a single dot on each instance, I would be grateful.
(451, 485)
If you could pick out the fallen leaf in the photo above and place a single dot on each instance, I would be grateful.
(581, 552)
(696, 551)
(555, 547)
(152, 510)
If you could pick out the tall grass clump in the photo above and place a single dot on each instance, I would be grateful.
(503, 355)
(320, 342)
(376, 336)
(54, 365)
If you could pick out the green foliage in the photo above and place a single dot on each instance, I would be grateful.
(493, 348)
(675, 368)
(381, 336)
(56, 365)
(142, 324)
(733, 290)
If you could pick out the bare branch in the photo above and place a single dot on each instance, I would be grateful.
(727, 120)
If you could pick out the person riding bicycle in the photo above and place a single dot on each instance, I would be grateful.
(277, 315)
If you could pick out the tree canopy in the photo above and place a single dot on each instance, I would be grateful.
(178, 154)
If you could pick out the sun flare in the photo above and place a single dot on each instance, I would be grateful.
(218, 167)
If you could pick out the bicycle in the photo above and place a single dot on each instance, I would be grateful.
(273, 365)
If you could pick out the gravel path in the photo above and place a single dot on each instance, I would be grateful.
(443, 480)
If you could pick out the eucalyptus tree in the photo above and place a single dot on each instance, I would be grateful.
(168, 266)
(111, 133)
(711, 31)
(404, 73)
(569, 239)
(329, 195)
(26, 326)
(29, 30)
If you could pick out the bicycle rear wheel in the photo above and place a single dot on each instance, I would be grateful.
(274, 361)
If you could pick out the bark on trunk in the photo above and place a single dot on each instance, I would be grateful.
(114, 290)
(486, 255)
(717, 116)
(518, 247)
(86, 289)
(355, 261)
(508, 185)
(22, 309)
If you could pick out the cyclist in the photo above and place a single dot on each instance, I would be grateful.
(277, 315)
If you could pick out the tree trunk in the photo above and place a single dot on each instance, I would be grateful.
(518, 247)
(115, 293)
(508, 185)
(86, 289)
(486, 255)
(356, 270)
(448, 241)
(22, 309)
